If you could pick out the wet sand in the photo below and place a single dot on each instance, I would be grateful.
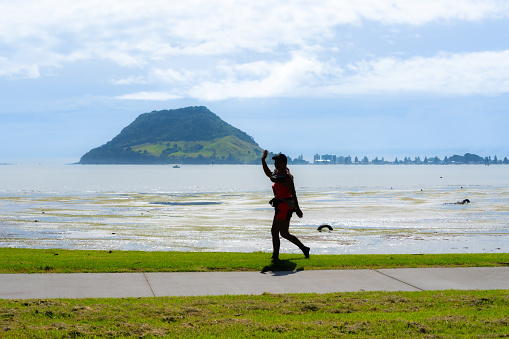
(363, 221)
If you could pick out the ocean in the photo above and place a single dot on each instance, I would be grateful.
(387, 209)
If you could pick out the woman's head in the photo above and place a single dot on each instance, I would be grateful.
(280, 161)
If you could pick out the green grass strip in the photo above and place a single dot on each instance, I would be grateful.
(430, 314)
(16, 260)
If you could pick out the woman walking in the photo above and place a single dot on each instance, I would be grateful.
(285, 203)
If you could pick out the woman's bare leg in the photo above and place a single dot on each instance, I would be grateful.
(282, 227)
(276, 243)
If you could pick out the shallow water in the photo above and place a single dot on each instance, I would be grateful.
(372, 209)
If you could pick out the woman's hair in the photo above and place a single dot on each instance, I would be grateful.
(287, 171)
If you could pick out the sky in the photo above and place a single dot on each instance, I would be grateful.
(371, 78)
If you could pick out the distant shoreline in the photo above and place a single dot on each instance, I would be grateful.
(467, 159)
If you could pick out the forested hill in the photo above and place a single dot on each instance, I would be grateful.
(187, 135)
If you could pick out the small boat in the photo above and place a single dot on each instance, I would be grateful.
(176, 166)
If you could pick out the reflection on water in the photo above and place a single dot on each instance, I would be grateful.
(226, 212)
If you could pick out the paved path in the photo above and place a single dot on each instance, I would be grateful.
(121, 285)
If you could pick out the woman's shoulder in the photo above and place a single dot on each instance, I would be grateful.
(278, 178)
(288, 177)
(281, 177)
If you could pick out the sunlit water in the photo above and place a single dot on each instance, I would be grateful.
(372, 209)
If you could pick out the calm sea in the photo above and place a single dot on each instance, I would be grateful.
(372, 209)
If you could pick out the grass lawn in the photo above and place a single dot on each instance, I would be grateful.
(67, 261)
(444, 314)
(429, 314)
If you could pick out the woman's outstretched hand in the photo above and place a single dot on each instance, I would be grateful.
(264, 156)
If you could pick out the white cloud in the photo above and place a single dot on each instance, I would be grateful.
(282, 79)
(151, 96)
(256, 69)
(130, 80)
(223, 49)
(484, 73)
(14, 69)
(133, 32)
(171, 76)
(456, 74)
(423, 12)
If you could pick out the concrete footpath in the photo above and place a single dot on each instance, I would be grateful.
(122, 285)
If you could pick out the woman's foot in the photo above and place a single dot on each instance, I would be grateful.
(306, 250)
(275, 258)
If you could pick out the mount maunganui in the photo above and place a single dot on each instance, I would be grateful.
(191, 135)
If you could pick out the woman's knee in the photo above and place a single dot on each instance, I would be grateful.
(280, 224)
(286, 234)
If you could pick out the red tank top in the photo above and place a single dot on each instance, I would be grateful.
(280, 191)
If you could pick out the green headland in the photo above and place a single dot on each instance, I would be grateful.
(191, 135)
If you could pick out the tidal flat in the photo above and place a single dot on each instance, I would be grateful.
(388, 209)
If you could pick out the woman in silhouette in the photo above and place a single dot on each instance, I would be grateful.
(285, 203)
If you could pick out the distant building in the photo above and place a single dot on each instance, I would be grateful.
(468, 158)
(324, 159)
